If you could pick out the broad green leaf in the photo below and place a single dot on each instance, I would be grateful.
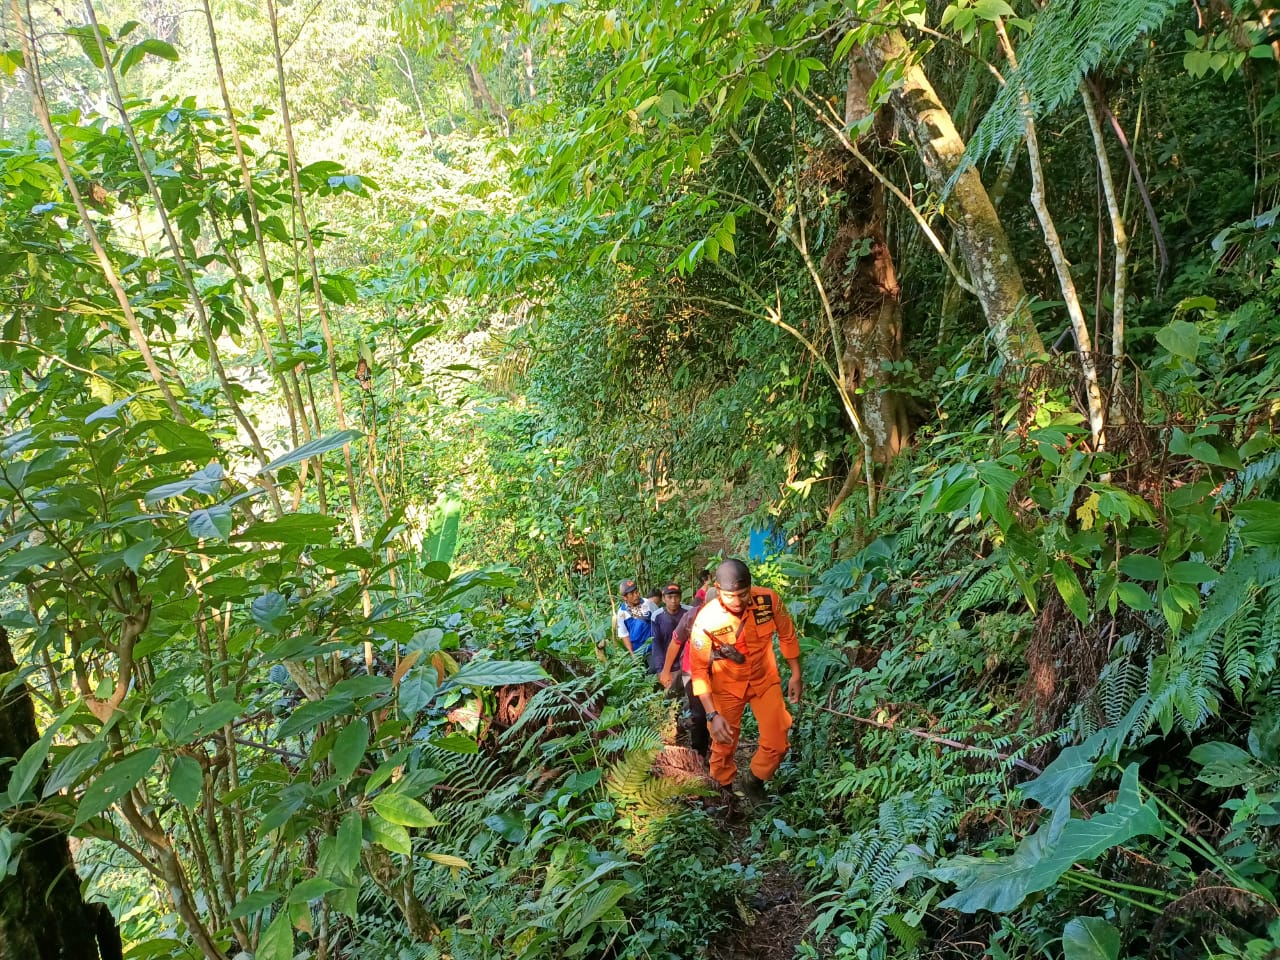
(277, 942)
(313, 448)
(401, 809)
(1134, 597)
(206, 480)
(1138, 566)
(304, 528)
(270, 612)
(1071, 769)
(1189, 571)
(457, 743)
(79, 760)
(391, 836)
(1090, 938)
(213, 523)
(349, 840)
(348, 748)
(24, 773)
(180, 438)
(186, 781)
(1064, 578)
(1261, 522)
(495, 673)
(311, 714)
(1180, 338)
(1043, 857)
(114, 782)
(992, 9)
(311, 889)
(254, 902)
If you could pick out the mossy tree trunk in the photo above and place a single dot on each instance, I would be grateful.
(993, 270)
(862, 283)
(42, 915)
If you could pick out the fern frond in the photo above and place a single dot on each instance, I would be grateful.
(1069, 39)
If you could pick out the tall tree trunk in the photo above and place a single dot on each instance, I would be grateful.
(983, 242)
(862, 283)
(42, 915)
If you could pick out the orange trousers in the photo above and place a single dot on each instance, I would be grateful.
(773, 719)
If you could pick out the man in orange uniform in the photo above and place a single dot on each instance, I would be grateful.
(732, 665)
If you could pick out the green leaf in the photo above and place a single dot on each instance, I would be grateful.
(186, 781)
(299, 528)
(206, 480)
(1042, 858)
(11, 61)
(312, 889)
(402, 809)
(1138, 566)
(311, 714)
(349, 747)
(339, 855)
(390, 836)
(992, 9)
(494, 673)
(213, 523)
(114, 782)
(1189, 571)
(1180, 338)
(253, 903)
(87, 37)
(314, 448)
(1090, 938)
(1261, 522)
(1064, 578)
(1134, 597)
(277, 942)
(27, 769)
(457, 743)
(180, 438)
(270, 612)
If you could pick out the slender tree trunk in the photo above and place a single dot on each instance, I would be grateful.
(41, 106)
(1119, 236)
(985, 246)
(42, 915)
(1066, 283)
(193, 294)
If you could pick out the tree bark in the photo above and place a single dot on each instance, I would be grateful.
(862, 283)
(981, 237)
(42, 915)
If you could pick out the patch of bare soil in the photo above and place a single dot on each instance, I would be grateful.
(773, 922)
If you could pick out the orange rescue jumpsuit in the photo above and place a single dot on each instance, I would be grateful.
(756, 681)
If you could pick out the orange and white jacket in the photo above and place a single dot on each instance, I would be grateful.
(752, 635)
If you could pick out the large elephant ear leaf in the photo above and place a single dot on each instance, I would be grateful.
(1043, 857)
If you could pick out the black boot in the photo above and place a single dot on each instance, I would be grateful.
(751, 789)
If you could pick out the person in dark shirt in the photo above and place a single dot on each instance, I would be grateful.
(664, 625)
(678, 650)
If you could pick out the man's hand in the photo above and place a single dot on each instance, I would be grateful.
(664, 678)
(795, 687)
(720, 731)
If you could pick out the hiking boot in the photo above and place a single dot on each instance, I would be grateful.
(751, 789)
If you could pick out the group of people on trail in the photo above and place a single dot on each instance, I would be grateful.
(722, 646)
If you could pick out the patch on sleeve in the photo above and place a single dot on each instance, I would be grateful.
(700, 641)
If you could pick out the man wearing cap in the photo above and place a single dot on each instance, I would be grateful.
(634, 618)
(733, 665)
(664, 625)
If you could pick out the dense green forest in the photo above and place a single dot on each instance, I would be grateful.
(352, 353)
